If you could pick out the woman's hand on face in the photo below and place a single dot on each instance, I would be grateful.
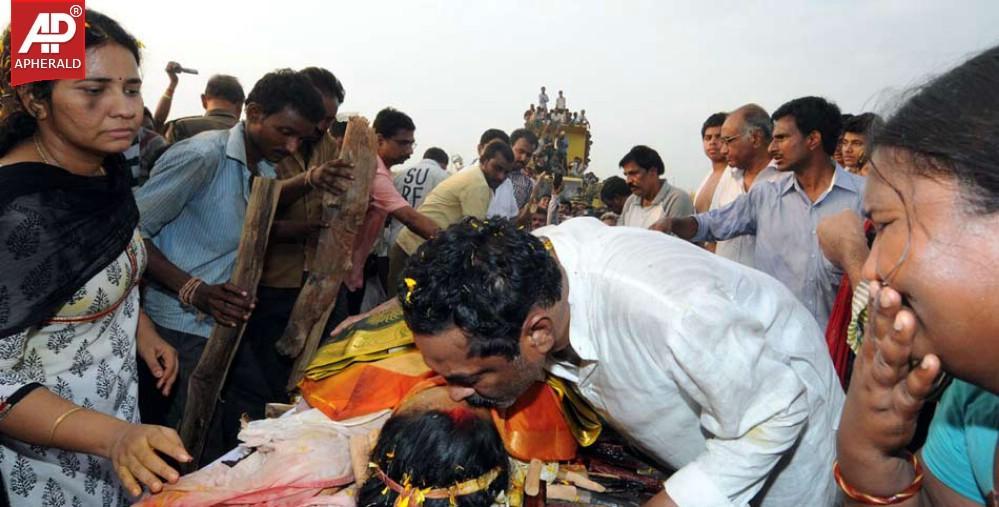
(888, 389)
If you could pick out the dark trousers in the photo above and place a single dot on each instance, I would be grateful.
(154, 408)
(397, 261)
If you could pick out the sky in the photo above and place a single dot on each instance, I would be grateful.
(646, 72)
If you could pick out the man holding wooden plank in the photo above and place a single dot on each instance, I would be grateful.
(192, 212)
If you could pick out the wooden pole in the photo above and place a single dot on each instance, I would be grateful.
(206, 381)
(332, 261)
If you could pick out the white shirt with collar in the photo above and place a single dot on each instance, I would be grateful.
(731, 185)
(504, 202)
(712, 368)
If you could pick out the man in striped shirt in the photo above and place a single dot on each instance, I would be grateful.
(192, 211)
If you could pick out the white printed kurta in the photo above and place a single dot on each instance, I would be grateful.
(86, 354)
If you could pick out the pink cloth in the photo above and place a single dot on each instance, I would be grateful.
(384, 200)
(296, 458)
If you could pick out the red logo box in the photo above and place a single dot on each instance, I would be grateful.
(47, 40)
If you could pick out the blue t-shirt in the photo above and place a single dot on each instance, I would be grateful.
(960, 449)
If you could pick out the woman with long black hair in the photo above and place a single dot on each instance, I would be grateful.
(933, 196)
(70, 264)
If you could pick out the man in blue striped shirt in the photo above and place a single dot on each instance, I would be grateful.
(784, 214)
(192, 211)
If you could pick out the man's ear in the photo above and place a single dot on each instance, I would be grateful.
(253, 112)
(538, 332)
(814, 140)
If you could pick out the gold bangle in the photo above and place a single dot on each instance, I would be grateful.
(59, 421)
(168, 96)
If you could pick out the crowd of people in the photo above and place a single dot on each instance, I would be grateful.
(814, 325)
(552, 154)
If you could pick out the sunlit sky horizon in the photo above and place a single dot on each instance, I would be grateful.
(646, 72)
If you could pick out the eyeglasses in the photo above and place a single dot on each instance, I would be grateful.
(729, 139)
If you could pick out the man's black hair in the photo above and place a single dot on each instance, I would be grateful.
(644, 157)
(496, 273)
(495, 147)
(325, 82)
(493, 134)
(519, 134)
(287, 88)
(863, 124)
(614, 187)
(391, 121)
(437, 155)
(222, 86)
(714, 120)
(814, 114)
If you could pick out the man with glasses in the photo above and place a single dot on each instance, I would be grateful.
(395, 131)
(784, 214)
(745, 136)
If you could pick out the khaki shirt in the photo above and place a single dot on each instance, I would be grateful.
(285, 263)
(465, 194)
(190, 126)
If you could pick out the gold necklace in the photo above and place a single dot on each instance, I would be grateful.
(42, 152)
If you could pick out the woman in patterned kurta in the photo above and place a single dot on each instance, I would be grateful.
(85, 354)
(70, 263)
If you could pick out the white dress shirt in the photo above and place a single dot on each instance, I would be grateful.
(710, 367)
(731, 185)
(504, 202)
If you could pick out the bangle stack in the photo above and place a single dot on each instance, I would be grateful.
(866, 499)
(59, 421)
(186, 293)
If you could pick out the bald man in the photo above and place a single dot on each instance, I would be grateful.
(745, 135)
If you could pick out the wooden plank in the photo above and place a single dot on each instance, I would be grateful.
(332, 261)
(206, 381)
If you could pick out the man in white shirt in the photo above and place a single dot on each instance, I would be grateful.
(652, 197)
(511, 197)
(712, 368)
(543, 100)
(560, 101)
(415, 183)
(712, 144)
(745, 135)
(503, 202)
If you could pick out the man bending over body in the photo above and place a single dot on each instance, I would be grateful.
(710, 367)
